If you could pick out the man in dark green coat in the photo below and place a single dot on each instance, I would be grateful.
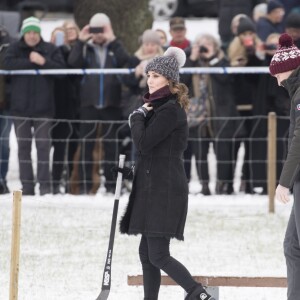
(285, 66)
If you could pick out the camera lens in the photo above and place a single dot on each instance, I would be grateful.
(203, 49)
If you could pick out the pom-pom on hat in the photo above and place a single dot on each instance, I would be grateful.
(31, 24)
(168, 65)
(286, 57)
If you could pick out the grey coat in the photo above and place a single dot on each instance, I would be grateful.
(158, 202)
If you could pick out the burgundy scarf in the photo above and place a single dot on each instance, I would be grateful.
(161, 93)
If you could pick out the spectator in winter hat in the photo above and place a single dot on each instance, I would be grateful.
(100, 96)
(208, 101)
(292, 27)
(33, 97)
(137, 81)
(178, 33)
(235, 22)
(159, 131)
(272, 22)
(163, 38)
(246, 45)
(259, 10)
(245, 50)
(285, 66)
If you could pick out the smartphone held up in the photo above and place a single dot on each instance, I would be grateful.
(59, 38)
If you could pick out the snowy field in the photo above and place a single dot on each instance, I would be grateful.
(64, 242)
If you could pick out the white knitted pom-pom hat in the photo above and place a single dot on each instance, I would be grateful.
(168, 65)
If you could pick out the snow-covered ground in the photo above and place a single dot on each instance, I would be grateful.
(64, 242)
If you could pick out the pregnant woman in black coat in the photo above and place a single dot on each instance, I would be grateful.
(158, 202)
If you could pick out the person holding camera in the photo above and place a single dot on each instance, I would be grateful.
(246, 50)
(100, 95)
(32, 101)
(64, 133)
(212, 96)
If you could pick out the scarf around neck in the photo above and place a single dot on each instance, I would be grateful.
(159, 94)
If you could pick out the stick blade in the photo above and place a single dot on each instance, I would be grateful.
(103, 295)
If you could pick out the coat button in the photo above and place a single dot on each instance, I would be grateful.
(147, 171)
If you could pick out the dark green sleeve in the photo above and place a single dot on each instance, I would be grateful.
(291, 165)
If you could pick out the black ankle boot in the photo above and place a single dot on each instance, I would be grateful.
(205, 189)
(199, 293)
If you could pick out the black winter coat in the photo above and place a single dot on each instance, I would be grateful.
(99, 90)
(66, 92)
(159, 199)
(31, 95)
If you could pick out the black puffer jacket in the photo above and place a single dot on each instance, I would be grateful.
(99, 90)
(32, 96)
(159, 198)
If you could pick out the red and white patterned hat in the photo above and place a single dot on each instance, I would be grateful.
(286, 57)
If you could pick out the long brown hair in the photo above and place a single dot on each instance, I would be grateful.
(182, 91)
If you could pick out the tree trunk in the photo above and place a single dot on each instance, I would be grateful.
(129, 18)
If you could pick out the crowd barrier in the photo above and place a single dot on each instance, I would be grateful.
(195, 70)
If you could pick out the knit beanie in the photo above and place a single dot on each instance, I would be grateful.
(31, 24)
(245, 24)
(293, 20)
(168, 65)
(150, 36)
(99, 20)
(286, 57)
(273, 4)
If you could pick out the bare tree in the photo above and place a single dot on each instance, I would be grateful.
(129, 17)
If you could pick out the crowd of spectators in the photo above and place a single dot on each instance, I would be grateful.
(70, 113)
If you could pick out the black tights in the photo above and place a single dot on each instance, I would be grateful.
(155, 256)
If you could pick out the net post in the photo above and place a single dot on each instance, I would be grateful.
(272, 153)
(15, 245)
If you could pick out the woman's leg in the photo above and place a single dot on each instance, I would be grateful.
(151, 273)
(159, 256)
